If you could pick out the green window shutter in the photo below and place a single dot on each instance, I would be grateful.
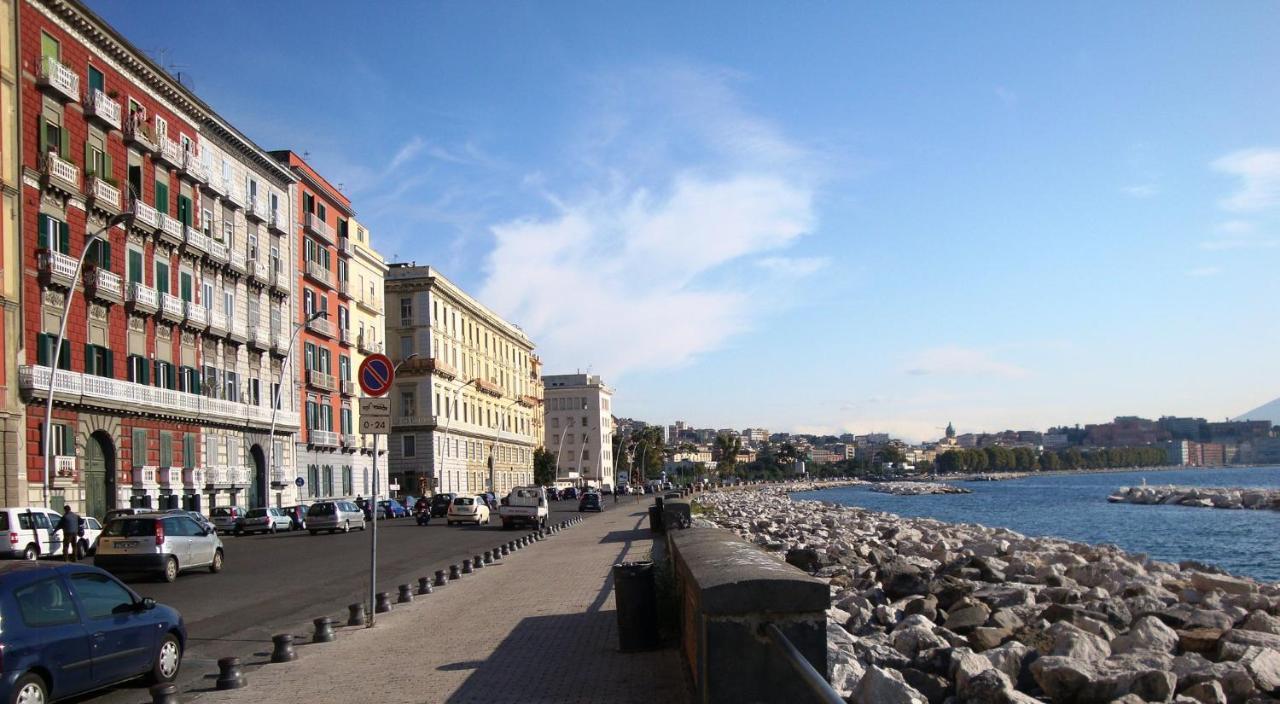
(146, 372)
(106, 254)
(64, 237)
(172, 382)
(106, 166)
(88, 360)
(88, 161)
(109, 365)
(195, 383)
(135, 266)
(42, 350)
(42, 229)
(64, 359)
(64, 149)
(43, 134)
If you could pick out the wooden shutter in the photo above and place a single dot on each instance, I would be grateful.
(42, 229)
(89, 360)
(64, 148)
(109, 364)
(64, 237)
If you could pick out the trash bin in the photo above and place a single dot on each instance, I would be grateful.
(636, 599)
(655, 519)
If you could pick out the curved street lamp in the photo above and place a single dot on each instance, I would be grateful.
(57, 347)
(275, 402)
(448, 418)
(494, 446)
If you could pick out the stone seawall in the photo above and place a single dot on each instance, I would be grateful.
(1199, 496)
(929, 612)
(917, 488)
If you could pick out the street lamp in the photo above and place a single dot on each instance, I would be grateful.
(493, 448)
(568, 424)
(448, 418)
(275, 402)
(57, 347)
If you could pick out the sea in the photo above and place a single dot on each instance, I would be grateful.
(1075, 506)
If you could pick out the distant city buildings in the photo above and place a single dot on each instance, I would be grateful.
(579, 428)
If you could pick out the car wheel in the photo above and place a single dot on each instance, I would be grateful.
(346, 527)
(82, 549)
(272, 529)
(170, 569)
(30, 689)
(216, 566)
(30, 553)
(168, 660)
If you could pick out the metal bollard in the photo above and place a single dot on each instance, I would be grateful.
(424, 585)
(383, 604)
(466, 566)
(440, 578)
(406, 594)
(497, 554)
(454, 573)
(357, 614)
(488, 557)
(283, 651)
(324, 630)
(229, 674)
(505, 549)
(477, 562)
(166, 693)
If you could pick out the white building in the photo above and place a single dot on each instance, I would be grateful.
(579, 428)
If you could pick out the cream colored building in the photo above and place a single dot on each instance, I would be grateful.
(362, 272)
(464, 407)
(579, 428)
(13, 476)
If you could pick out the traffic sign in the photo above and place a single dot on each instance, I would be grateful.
(299, 481)
(376, 374)
(375, 416)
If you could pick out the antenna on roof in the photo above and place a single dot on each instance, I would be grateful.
(306, 155)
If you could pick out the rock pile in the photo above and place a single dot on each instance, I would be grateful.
(1203, 497)
(917, 488)
(926, 612)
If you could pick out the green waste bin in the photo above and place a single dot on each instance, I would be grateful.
(636, 599)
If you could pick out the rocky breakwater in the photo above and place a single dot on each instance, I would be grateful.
(917, 488)
(926, 611)
(1199, 496)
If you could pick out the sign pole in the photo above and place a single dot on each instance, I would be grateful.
(375, 375)
(373, 538)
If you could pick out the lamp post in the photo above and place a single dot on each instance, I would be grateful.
(568, 424)
(57, 347)
(448, 418)
(493, 483)
(275, 402)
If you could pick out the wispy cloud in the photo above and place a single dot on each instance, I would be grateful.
(1204, 272)
(1258, 171)
(1141, 190)
(793, 266)
(955, 360)
(1238, 234)
(407, 152)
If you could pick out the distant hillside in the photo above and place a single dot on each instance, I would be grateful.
(1268, 411)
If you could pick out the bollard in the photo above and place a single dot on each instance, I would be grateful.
(564, 524)
(166, 693)
(488, 557)
(466, 566)
(283, 651)
(406, 594)
(357, 614)
(440, 578)
(383, 604)
(229, 674)
(424, 585)
(324, 630)
(497, 553)
(477, 562)
(504, 550)
(454, 573)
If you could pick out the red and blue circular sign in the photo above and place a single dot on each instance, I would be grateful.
(376, 374)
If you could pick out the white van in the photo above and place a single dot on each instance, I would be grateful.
(30, 531)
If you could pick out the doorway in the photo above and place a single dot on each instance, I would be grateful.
(258, 482)
(99, 475)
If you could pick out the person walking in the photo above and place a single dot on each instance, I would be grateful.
(69, 524)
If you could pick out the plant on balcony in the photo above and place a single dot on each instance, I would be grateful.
(115, 183)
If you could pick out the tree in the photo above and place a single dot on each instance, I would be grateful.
(727, 447)
(544, 467)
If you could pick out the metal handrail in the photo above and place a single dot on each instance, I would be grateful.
(811, 677)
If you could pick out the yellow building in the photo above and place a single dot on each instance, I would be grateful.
(12, 472)
(361, 272)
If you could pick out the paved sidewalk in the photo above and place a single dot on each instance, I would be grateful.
(538, 627)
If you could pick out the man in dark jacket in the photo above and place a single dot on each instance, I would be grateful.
(69, 524)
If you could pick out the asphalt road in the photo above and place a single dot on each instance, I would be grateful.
(278, 583)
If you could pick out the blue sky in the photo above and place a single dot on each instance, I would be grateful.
(852, 217)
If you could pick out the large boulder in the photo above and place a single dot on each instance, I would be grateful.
(881, 686)
(1263, 665)
(967, 616)
(1199, 640)
(1147, 633)
(910, 641)
(1070, 680)
(1072, 642)
(1262, 621)
(1231, 585)
(1209, 692)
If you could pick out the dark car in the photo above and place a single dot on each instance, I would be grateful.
(422, 511)
(553, 494)
(569, 493)
(590, 502)
(390, 508)
(440, 504)
(59, 616)
(297, 516)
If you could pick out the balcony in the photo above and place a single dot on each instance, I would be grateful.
(171, 153)
(320, 380)
(172, 308)
(59, 173)
(237, 262)
(216, 184)
(99, 105)
(217, 322)
(344, 335)
(259, 337)
(197, 316)
(59, 79)
(56, 268)
(348, 387)
(280, 282)
(429, 365)
(169, 476)
(344, 288)
(170, 230)
(370, 305)
(350, 441)
(320, 274)
(64, 470)
(239, 476)
(145, 217)
(279, 343)
(234, 197)
(529, 401)
(323, 438)
(194, 168)
(320, 326)
(137, 131)
(193, 477)
(195, 239)
(279, 221)
(217, 252)
(142, 298)
(345, 246)
(259, 271)
(236, 332)
(145, 477)
(255, 209)
(367, 345)
(485, 386)
(412, 421)
(103, 196)
(104, 285)
(319, 227)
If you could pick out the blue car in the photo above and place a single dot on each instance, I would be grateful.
(71, 628)
(390, 508)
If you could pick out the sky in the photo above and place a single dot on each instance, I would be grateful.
(831, 217)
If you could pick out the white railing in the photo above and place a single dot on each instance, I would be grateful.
(64, 467)
(320, 380)
(235, 195)
(193, 477)
(255, 208)
(53, 73)
(279, 221)
(105, 282)
(142, 295)
(57, 264)
(238, 330)
(321, 326)
(414, 420)
(343, 287)
(170, 226)
(60, 168)
(280, 342)
(259, 271)
(348, 387)
(194, 167)
(195, 239)
(344, 335)
(216, 475)
(145, 476)
(217, 251)
(217, 320)
(237, 261)
(136, 129)
(324, 438)
(171, 306)
(171, 151)
(102, 106)
(146, 215)
(197, 314)
(260, 336)
(280, 280)
(104, 193)
(319, 273)
(239, 475)
(350, 440)
(345, 246)
(169, 476)
(317, 225)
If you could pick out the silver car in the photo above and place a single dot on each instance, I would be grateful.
(333, 516)
(263, 520)
(157, 543)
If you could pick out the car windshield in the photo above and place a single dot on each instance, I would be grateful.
(321, 510)
(463, 501)
(131, 528)
(222, 512)
(256, 513)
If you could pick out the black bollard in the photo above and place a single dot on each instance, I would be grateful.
(424, 585)
(466, 566)
(166, 693)
(357, 614)
(229, 674)
(440, 578)
(283, 651)
(324, 630)
(497, 554)
(383, 604)
(504, 549)
(406, 594)
(454, 573)
(477, 562)
(488, 557)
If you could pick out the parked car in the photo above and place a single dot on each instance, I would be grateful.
(590, 501)
(117, 512)
(57, 616)
(525, 505)
(158, 543)
(390, 508)
(409, 502)
(91, 530)
(568, 493)
(440, 504)
(297, 516)
(263, 520)
(468, 509)
(334, 516)
(553, 494)
(196, 515)
(31, 532)
(225, 518)
(422, 512)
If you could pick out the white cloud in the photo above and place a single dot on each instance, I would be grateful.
(1259, 174)
(1141, 190)
(406, 152)
(1238, 234)
(954, 360)
(1205, 271)
(793, 267)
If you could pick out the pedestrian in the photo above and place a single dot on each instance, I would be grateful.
(69, 524)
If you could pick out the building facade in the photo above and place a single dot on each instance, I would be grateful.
(159, 393)
(464, 408)
(13, 480)
(579, 428)
(361, 273)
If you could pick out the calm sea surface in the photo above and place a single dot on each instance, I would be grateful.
(1074, 506)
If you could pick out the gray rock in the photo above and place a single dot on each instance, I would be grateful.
(910, 641)
(1263, 665)
(1062, 678)
(1209, 692)
(969, 617)
(935, 688)
(1006, 618)
(1011, 659)
(881, 686)
(1071, 642)
(1147, 633)
(1200, 640)
(1231, 585)
(988, 637)
(1263, 622)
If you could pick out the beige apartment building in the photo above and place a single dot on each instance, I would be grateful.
(361, 270)
(579, 428)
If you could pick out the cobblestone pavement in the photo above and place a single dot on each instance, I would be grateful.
(539, 627)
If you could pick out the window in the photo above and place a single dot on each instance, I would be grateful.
(348, 486)
(407, 446)
(408, 404)
(46, 603)
(162, 276)
(140, 448)
(53, 234)
(61, 439)
(308, 302)
(162, 190)
(229, 304)
(96, 160)
(53, 138)
(45, 344)
(185, 283)
(406, 346)
(188, 380)
(345, 420)
(98, 361)
(166, 449)
(185, 210)
(406, 308)
(253, 248)
(139, 370)
(135, 266)
(165, 376)
(206, 295)
(188, 450)
(328, 480)
(313, 479)
(232, 382)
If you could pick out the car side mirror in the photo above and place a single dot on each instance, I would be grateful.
(147, 603)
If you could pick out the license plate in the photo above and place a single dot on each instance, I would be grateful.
(126, 543)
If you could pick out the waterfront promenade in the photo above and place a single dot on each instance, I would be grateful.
(540, 626)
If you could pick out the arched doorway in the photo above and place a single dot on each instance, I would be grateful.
(99, 475)
(258, 482)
